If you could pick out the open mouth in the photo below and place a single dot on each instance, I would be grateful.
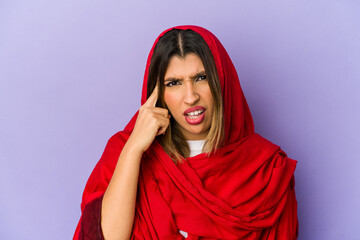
(195, 114)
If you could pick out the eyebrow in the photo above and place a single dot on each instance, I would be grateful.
(171, 79)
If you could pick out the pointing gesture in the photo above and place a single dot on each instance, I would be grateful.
(151, 122)
(151, 101)
(120, 197)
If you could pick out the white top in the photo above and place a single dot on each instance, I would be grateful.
(195, 149)
(195, 146)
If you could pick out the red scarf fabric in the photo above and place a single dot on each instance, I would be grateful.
(244, 191)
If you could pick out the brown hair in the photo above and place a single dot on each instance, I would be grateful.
(178, 42)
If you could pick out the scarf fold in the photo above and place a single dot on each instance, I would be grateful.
(244, 191)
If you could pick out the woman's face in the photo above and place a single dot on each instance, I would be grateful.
(188, 97)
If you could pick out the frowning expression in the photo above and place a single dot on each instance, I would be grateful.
(188, 96)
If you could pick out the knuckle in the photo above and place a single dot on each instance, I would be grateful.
(152, 115)
(154, 121)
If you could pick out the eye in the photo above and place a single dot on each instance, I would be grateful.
(172, 83)
(201, 77)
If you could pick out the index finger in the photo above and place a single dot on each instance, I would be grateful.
(151, 101)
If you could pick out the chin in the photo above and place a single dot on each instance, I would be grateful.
(197, 132)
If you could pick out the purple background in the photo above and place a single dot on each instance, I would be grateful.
(71, 75)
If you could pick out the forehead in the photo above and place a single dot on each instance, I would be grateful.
(180, 67)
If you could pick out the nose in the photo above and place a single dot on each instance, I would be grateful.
(191, 94)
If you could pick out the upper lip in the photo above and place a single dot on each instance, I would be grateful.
(193, 109)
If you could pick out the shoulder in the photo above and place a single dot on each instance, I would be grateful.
(118, 139)
(256, 143)
(112, 150)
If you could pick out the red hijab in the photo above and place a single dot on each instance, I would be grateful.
(244, 191)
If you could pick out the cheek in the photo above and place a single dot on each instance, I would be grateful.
(208, 96)
(171, 100)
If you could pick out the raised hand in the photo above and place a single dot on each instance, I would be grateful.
(118, 205)
(151, 122)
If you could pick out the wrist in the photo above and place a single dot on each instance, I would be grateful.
(132, 147)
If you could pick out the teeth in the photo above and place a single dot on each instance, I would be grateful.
(195, 113)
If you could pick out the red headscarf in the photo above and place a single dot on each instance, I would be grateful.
(244, 191)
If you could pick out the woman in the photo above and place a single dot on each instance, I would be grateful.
(189, 164)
